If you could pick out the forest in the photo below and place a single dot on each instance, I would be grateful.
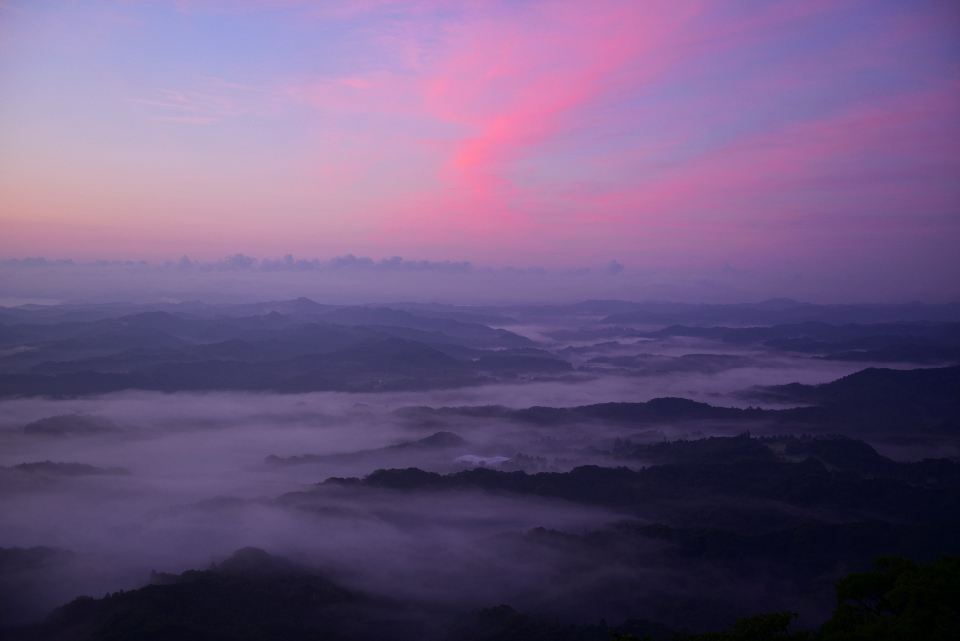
(605, 470)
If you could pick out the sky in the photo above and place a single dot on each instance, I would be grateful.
(775, 139)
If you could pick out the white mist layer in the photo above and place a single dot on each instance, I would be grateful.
(200, 487)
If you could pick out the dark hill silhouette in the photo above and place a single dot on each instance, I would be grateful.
(251, 595)
(918, 399)
(388, 363)
(858, 481)
(870, 401)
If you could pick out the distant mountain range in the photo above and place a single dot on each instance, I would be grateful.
(301, 345)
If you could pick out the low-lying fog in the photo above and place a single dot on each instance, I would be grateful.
(176, 481)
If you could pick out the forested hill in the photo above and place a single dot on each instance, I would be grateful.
(921, 400)
(837, 475)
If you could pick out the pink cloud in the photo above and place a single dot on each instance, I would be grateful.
(520, 82)
(846, 186)
(680, 130)
(873, 172)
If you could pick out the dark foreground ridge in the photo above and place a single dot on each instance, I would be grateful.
(254, 596)
(790, 514)
(737, 496)
(259, 597)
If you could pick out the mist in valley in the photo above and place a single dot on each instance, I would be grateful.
(98, 491)
(479, 321)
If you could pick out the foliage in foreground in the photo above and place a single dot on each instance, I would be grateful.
(898, 601)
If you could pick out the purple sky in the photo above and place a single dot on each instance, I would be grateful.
(778, 140)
